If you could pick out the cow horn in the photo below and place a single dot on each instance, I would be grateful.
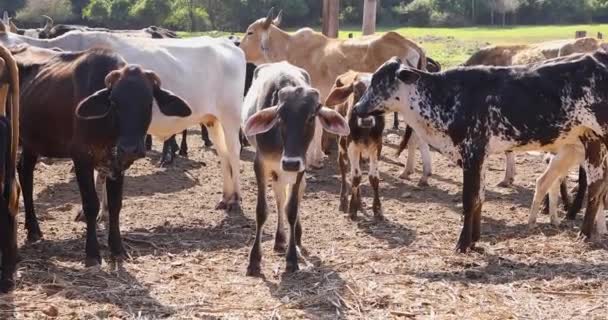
(11, 26)
(49, 23)
(153, 77)
(111, 78)
(268, 20)
(5, 17)
(278, 19)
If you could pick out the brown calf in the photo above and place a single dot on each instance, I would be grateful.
(364, 141)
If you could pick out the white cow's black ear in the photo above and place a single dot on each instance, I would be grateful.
(170, 104)
(95, 106)
(407, 76)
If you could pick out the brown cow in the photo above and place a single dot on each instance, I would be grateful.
(92, 107)
(364, 141)
(9, 187)
(326, 58)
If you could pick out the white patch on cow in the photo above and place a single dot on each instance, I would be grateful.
(594, 173)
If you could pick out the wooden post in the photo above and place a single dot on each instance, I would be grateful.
(580, 34)
(369, 16)
(331, 13)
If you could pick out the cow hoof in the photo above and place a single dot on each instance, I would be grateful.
(423, 183)
(183, 153)
(121, 256)
(34, 236)
(555, 222)
(379, 217)
(6, 285)
(353, 216)
(405, 175)
(254, 271)
(208, 143)
(166, 161)
(291, 268)
(531, 225)
(505, 184)
(92, 262)
(80, 217)
(343, 206)
(302, 252)
(464, 244)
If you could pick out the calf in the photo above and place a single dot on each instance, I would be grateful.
(364, 141)
(9, 188)
(279, 118)
(92, 107)
(468, 113)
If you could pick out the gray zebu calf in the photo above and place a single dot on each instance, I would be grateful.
(279, 116)
(468, 113)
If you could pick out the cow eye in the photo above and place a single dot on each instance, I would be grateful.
(249, 33)
(397, 98)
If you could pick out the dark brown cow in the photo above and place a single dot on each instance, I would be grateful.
(92, 107)
(9, 188)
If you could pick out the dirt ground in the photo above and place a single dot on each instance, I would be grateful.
(189, 260)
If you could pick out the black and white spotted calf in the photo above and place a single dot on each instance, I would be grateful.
(279, 116)
(470, 112)
(364, 141)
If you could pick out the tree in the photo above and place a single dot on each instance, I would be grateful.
(97, 11)
(59, 10)
(151, 12)
(12, 6)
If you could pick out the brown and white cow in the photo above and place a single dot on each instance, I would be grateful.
(92, 107)
(363, 142)
(279, 117)
(9, 187)
(326, 58)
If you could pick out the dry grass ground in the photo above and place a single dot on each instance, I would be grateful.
(189, 260)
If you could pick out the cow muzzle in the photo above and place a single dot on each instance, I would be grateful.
(366, 122)
(295, 164)
(128, 153)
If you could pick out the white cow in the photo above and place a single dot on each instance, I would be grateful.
(208, 73)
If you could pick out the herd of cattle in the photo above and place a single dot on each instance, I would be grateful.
(92, 95)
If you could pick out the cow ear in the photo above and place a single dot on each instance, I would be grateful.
(95, 106)
(170, 104)
(261, 121)
(338, 95)
(333, 122)
(407, 76)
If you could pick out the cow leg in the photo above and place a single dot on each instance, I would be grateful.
(315, 154)
(595, 167)
(577, 204)
(395, 120)
(354, 157)
(298, 223)
(600, 219)
(205, 136)
(293, 203)
(553, 199)
(425, 153)
(374, 181)
(183, 147)
(100, 187)
(510, 171)
(225, 136)
(411, 159)
(471, 200)
(169, 149)
(90, 206)
(148, 142)
(261, 210)
(280, 188)
(564, 195)
(343, 164)
(114, 189)
(26, 166)
(8, 246)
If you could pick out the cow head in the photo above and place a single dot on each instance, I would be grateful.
(45, 33)
(260, 42)
(349, 88)
(295, 116)
(393, 87)
(125, 105)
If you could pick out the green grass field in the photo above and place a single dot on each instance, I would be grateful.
(452, 46)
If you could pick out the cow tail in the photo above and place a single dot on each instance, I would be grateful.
(577, 204)
(405, 140)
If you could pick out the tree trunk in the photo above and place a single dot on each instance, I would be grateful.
(331, 13)
(504, 19)
(473, 12)
(492, 16)
(369, 16)
(191, 13)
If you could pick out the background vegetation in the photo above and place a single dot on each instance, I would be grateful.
(235, 15)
